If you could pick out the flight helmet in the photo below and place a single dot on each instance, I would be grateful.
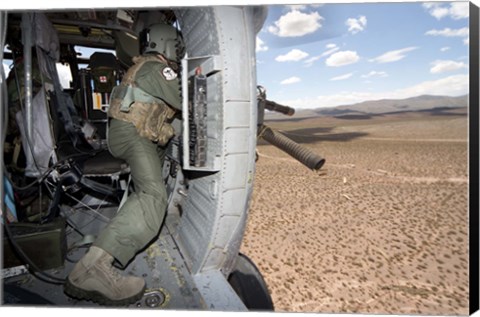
(164, 39)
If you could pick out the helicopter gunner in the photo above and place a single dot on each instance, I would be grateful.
(141, 110)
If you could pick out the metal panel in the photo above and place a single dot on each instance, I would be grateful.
(239, 114)
(232, 111)
(217, 293)
(241, 143)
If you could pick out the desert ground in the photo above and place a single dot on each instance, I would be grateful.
(381, 228)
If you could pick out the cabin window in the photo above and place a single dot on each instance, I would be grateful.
(64, 75)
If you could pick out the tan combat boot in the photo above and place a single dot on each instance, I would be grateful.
(94, 278)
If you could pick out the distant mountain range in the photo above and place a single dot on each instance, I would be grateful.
(420, 103)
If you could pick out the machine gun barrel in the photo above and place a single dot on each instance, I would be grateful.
(273, 106)
(299, 152)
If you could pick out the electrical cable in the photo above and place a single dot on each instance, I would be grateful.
(43, 176)
(73, 248)
(35, 270)
(32, 267)
(74, 227)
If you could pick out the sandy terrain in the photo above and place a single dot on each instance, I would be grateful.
(382, 228)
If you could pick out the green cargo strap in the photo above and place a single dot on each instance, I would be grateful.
(130, 94)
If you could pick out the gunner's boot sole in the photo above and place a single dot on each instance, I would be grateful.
(97, 297)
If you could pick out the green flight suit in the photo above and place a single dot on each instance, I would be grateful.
(140, 218)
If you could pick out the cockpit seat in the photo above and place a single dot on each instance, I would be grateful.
(96, 84)
(76, 165)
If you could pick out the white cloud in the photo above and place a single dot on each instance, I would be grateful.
(291, 80)
(342, 58)
(356, 25)
(449, 86)
(442, 66)
(436, 10)
(297, 7)
(459, 10)
(374, 73)
(393, 56)
(293, 56)
(296, 23)
(455, 10)
(332, 48)
(260, 45)
(303, 7)
(330, 51)
(449, 32)
(342, 77)
(312, 59)
(309, 62)
(444, 49)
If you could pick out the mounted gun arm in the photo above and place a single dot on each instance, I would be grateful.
(303, 154)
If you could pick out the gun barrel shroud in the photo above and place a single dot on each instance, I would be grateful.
(299, 152)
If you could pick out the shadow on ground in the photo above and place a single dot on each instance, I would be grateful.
(313, 135)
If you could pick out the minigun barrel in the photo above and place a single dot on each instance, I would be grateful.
(299, 152)
(273, 106)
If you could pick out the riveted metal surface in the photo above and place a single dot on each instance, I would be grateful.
(200, 34)
(209, 220)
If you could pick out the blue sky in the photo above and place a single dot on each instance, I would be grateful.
(318, 55)
(321, 55)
